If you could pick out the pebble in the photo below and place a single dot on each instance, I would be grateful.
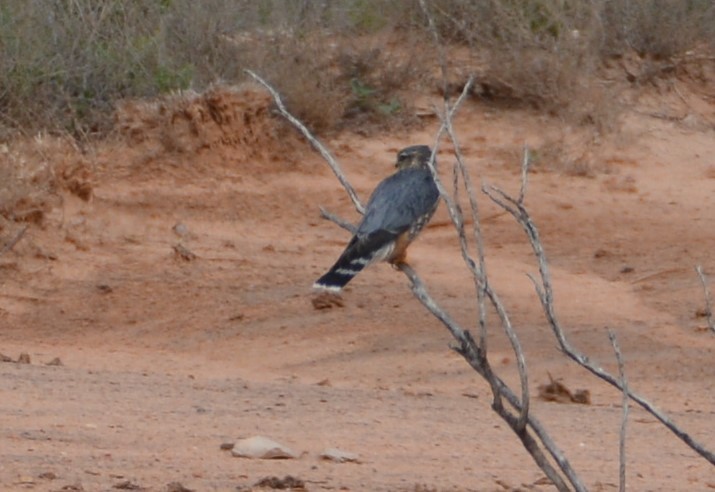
(339, 456)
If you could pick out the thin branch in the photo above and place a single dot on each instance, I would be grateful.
(525, 161)
(486, 287)
(478, 361)
(481, 281)
(624, 415)
(337, 220)
(11, 244)
(544, 291)
(480, 274)
(708, 298)
(314, 142)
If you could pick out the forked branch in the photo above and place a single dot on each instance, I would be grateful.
(314, 141)
(544, 291)
(624, 413)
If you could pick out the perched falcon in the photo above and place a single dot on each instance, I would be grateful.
(398, 209)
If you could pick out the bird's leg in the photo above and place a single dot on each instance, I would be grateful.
(399, 259)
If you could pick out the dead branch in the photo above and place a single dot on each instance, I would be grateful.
(337, 220)
(12, 242)
(624, 414)
(544, 291)
(708, 298)
(482, 281)
(314, 142)
(477, 359)
(482, 286)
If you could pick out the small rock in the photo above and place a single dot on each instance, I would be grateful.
(339, 456)
(24, 358)
(227, 446)
(601, 253)
(327, 300)
(55, 362)
(5, 358)
(180, 229)
(259, 447)
(181, 251)
(75, 487)
(557, 392)
(287, 482)
(47, 475)
(105, 288)
(324, 382)
(177, 487)
(126, 485)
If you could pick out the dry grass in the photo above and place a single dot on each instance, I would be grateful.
(65, 64)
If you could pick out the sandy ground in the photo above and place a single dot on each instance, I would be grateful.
(164, 359)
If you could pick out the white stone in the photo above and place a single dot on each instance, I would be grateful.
(260, 447)
(339, 456)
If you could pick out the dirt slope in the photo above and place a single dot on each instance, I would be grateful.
(166, 358)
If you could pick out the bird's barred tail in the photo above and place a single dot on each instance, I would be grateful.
(358, 254)
(342, 272)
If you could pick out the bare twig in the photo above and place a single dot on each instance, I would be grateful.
(477, 359)
(482, 282)
(480, 277)
(544, 291)
(525, 161)
(337, 220)
(12, 242)
(708, 298)
(624, 414)
(314, 142)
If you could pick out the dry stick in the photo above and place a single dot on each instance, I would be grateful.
(11, 244)
(497, 390)
(544, 291)
(624, 416)
(476, 358)
(337, 220)
(315, 142)
(541, 432)
(480, 275)
(484, 287)
(708, 298)
(453, 208)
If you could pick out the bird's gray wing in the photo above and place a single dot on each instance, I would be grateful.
(398, 201)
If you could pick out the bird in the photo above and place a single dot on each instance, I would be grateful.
(397, 211)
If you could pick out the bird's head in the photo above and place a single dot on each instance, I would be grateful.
(414, 156)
